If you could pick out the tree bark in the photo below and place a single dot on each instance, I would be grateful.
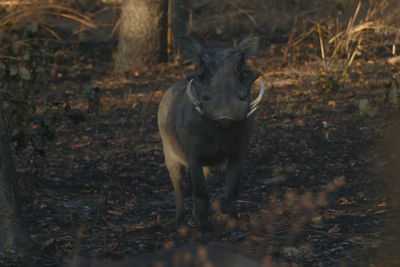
(179, 21)
(142, 34)
(14, 242)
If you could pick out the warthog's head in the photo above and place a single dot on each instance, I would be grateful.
(220, 88)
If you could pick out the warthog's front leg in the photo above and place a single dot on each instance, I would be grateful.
(175, 170)
(200, 195)
(232, 185)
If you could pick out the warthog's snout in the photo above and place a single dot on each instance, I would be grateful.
(206, 120)
(224, 123)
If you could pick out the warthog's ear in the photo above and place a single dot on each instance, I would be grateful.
(249, 46)
(191, 48)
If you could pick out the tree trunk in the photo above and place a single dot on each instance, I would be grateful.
(13, 239)
(179, 21)
(142, 34)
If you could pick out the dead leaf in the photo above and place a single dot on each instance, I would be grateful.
(380, 211)
(310, 45)
(169, 244)
(115, 212)
(381, 205)
(113, 245)
(317, 219)
(78, 146)
(345, 201)
(335, 229)
(48, 242)
(336, 249)
(256, 239)
(332, 104)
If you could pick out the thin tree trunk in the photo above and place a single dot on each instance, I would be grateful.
(13, 239)
(142, 34)
(180, 17)
(179, 21)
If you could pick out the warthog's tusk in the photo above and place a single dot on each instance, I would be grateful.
(196, 103)
(256, 103)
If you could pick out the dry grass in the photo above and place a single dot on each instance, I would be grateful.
(369, 28)
(19, 14)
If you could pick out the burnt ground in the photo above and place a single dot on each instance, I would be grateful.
(311, 195)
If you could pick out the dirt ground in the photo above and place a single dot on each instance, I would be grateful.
(318, 189)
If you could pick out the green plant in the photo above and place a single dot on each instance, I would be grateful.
(26, 54)
(365, 109)
(23, 76)
(331, 83)
(392, 94)
(93, 97)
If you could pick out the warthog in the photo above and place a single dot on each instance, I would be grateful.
(206, 120)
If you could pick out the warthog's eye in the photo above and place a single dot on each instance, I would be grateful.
(242, 96)
(206, 97)
(248, 76)
(244, 73)
(203, 73)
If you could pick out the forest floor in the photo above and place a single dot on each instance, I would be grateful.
(318, 185)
